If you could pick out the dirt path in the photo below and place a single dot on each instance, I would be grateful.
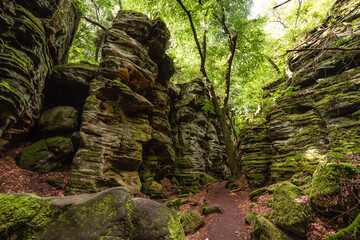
(230, 224)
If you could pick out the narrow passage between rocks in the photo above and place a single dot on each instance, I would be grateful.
(230, 224)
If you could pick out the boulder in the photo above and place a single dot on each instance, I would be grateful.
(211, 209)
(46, 154)
(330, 180)
(113, 213)
(291, 209)
(254, 195)
(191, 221)
(59, 120)
(152, 188)
(264, 229)
(176, 203)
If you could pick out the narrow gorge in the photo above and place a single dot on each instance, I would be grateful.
(120, 135)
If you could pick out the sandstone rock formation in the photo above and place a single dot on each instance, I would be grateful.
(196, 135)
(134, 129)
(29, 49)
(112, 214)
(320, 108)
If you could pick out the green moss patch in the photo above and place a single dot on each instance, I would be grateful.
(265, 230)
(254, 195)
(191, 221)
(290, 209)
(18, 213)
(329, 187)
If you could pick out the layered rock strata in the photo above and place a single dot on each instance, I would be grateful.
(196, 135)
(134, 129)
(320, 108)
(29, 48)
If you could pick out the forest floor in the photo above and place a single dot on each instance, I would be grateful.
(228, 225)
(16, 180)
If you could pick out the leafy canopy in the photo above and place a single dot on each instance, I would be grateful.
(259, 38)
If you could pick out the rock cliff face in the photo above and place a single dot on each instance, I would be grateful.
(126, 135)
(197, 136)
(29, 49)
(122, 120)
(319, 111)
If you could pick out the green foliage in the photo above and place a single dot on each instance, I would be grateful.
(88, 39)
(259, 38)
(207, 106)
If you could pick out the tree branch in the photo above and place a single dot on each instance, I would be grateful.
(204, 42)
(321, 49)
(273, 64)
(298, 13)
(96, 23)
(193, 30)
(281, 4)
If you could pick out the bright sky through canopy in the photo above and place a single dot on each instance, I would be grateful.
(258, 7)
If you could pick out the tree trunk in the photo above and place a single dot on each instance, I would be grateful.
(230, 149)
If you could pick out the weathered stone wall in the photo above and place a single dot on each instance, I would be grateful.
(321, 113)
(122, 120)
(197, 136)
(29, 48)
(126, 136)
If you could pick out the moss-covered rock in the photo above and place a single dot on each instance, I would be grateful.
(22, 215)
(254, 195)
(265, 230)
(46, 155)
(112, 214)
(152, 188)
(59, 119)
(55, 182)
(250, 217)
(290, 209)
(176, 203)
(328, 185)
(211, 209)
(191, 221)
(350, 232)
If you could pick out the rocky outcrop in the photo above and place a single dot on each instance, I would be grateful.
(290, 211)
(127, 137)
(59, 119)
(196, 135)
(319, 111)
(135, 129)
(29, 48)
(115, 123)
(311, 135)
(112, 214)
